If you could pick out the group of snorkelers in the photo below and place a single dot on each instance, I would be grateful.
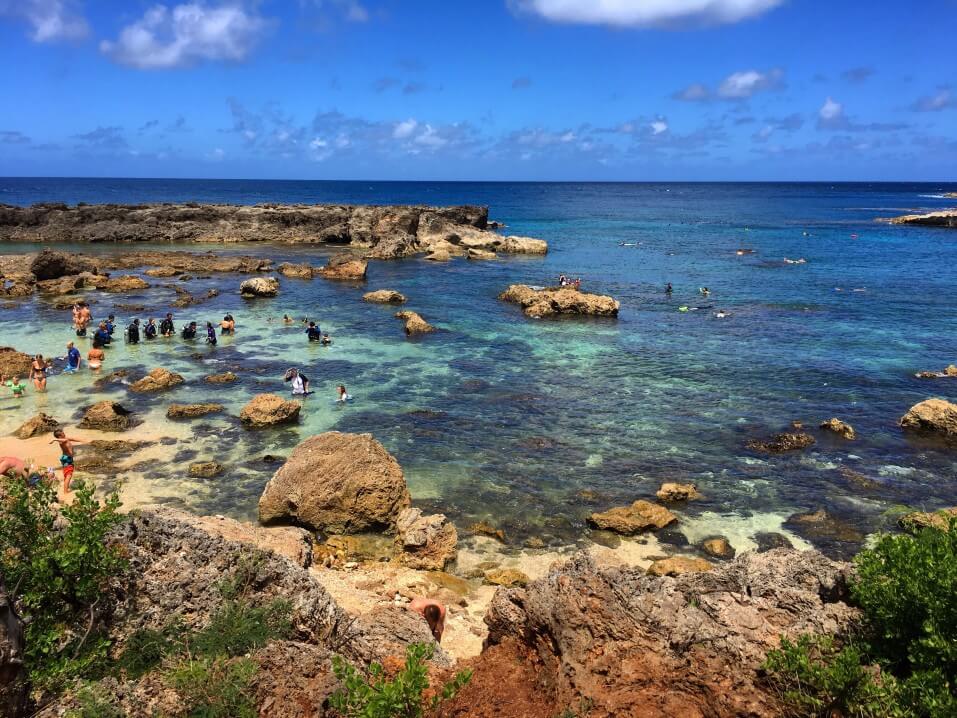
(704, 292)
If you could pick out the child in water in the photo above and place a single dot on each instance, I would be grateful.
(19, 388)
(343, 395)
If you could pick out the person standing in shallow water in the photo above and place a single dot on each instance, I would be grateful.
(38, 372)
(149, 331)
(166, 326)
(210, 334)
(73, 357)
(133, 332)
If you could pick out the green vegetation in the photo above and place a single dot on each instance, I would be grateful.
(904, 661)
(373, 695)
(214, 687)
(94, 702)
(61, 570)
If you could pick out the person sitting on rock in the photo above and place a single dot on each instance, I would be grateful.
(314, 333)
(434, 614)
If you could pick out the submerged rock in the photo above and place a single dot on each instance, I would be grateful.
(124, 284)
(159, 379)
(821, 525)
(269, 410)
(190, 411)
(935, 417)
(507, 577)
(108, 416)
(677, 492)
(414, 323)
(259, 287)
(224, 378)
(439, 255)
(337, 483)
(37, 426)
(384, 296)
(689, 645)
(484, 528)
(949, 373)
(836, 426)
(640, 516)
(425, 542)
(677, 565)
(344, 267)
(473, 253)
(770, 540)
(555, 301)
(205, 469)
(781, 443)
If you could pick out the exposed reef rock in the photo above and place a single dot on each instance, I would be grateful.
(677, 565)
(414, 323)
(14, 363)
(425, 542)
(297, 271)
(690, 645)
(265, 410)
(670, 491)
(933, 417)
(50, 264)
(124, 284)
(842, 429)
(225, 378)
(945, 218)
(157, 380)
(337, 483)
(782, 443)
(382, 232)
(555, 301)
(640, 516)
(916, 520)
(384, 296)
(37, 426)
(191, 411)
(108, 416)
(259, 287)
(949, 373)
(344, 267)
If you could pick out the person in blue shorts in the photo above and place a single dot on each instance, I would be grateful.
(72, 357)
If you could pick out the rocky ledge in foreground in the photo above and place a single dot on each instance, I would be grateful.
(385, 231)
(691, 645)
(554, 301)
(945, 218)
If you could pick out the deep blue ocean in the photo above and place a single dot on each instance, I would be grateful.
(534, 424)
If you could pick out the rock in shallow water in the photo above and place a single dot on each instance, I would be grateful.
(555, 301)
(677, 492)
(157, 380)
(205, 469)
(640, 516)
(190, 411)
(781, 443)
(108, 416)
(259, 287)
(269, 410)
(224, 378)
(677, 565)
(14, 363)
(38, 425)
(414, 323)
(917, 520)
(384, 296)
(836, 426)
(337, 483)
(718, 547)
(344, 267)
(933, 417)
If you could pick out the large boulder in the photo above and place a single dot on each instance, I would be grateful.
(297, 271)
(37, 426)
(337, 483)
(191, 411)
(345, 267)
(50, 264)
(269, 410)
(108, 416)
(259, 287)
(414, 323)
(933, 417)
(384, 296)
(640, 516)
(159, 379)
(686, 645)
(560, 301)
(425, 542)
(14, 363)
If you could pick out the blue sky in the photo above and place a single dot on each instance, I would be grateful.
(490, 89)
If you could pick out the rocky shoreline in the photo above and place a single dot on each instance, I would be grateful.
(944, 218)
(380, 232)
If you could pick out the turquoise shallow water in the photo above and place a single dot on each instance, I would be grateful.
(508, 419)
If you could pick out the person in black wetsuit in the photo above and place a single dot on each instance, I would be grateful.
(149, 331)
(210, 334)
(189, 331)
(166, 326)
(133, 332)
(314, 333)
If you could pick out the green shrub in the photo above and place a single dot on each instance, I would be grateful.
(215, 687)
(375, 696)
(146, 648)
(904, 663)
(238, 627)
(60, 569)
(94, 702)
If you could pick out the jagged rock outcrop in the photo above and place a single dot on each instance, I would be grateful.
(124, 284)
(265, 410)
(945, 218)
(950, 372)
(51, 264)
(933, 417)
(158, 379)
(414, 323)
(559, 301)
(344, 267)
(689, 645)
(337, 483)
(671, 491)
(425, 542)
(718, 547)
(384, 232)
(259, 287)
(781, 443)
(36, 426)
(108, 416)
(384, 296)
(296, 271)
(842, 429)
(14, 363)
(640, 516)
(191, 411)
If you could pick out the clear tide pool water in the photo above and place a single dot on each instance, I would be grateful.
(534, 424)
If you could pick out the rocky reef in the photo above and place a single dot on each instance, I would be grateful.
(555, 301)
(945, 218)
(383, 232)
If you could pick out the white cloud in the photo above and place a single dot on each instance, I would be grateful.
(430, 138)
(404, 129)
(186, 34)
(647, 13)
(943, 99)
(741, 85)
(831, 115)
(658, 127)
(49, 20)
